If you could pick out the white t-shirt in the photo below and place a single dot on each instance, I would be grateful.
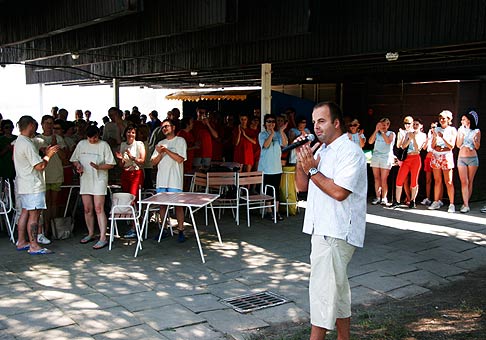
(92, 181)
(344, 162)
(54, 172)
(26, 156)
(135, 149)
(170, 174)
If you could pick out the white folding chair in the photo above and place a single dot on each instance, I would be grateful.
(6, 207)
(267, 198)
(123, 209)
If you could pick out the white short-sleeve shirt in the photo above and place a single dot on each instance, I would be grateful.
(26, 156)
(344, 162)
(170, 174)
(92, 181)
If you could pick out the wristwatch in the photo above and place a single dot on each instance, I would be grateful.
(313, 171)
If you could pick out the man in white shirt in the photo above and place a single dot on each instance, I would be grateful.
(336, 181)
(31, 185)
(169, 156)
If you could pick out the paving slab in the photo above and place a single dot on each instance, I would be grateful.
(171, 316)
(231, 322)
(29, 323)
(202, 302)
(200, 332)
(144, 300)
(139, 332)
(407, 292)
(380, 281)
(441, 269)
(423, 278)
(103, 320)
(62, 333)
(288, 312)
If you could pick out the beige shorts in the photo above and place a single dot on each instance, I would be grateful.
(329, 291)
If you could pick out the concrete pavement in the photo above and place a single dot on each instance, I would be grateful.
(167, 293)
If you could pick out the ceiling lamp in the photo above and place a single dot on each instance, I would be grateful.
(392, 56)
(75, 55)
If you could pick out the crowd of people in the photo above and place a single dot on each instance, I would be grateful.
(439, 163)
(132, 149)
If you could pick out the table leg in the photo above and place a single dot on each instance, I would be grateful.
(68, 200)
(197, 234)
(163, 222)
(215, 223)
(144, 223)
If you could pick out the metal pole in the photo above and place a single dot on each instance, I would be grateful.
(116, 92)
(266, 92)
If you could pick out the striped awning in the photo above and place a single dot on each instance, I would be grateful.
(195, 96)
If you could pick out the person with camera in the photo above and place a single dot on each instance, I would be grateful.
(413, 140)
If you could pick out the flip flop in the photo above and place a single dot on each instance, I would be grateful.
(43, 251)
(86, 239)
(27, 247)
(100, 244)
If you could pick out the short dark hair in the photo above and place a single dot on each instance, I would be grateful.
(6, 122)
(24, 122)
(92, 131)
(131, 127)
(335, 113)
(168, 120)
(46, 117)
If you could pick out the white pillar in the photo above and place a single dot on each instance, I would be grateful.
(116, 92)
(41, 99)
(266, 92)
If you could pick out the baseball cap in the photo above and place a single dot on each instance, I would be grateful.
(446, 114)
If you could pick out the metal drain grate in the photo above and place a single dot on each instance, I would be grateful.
(251, 302)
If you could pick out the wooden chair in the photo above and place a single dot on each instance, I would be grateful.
(267, 198)
(226, 185)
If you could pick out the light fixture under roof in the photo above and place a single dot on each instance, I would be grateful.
(392, 56)
(75, 55)
(202, 84)
(193, 73)
(309, 79)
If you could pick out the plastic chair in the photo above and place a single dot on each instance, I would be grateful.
(267, 198)
(6, 207)
(123, 209)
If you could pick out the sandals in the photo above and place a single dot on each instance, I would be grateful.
(100, 244)
(86, 239)
(42, 251)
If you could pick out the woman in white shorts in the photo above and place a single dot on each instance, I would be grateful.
(382, 159)
(468, 141)
(92, 159)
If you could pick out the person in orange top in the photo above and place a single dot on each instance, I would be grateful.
(203, 132)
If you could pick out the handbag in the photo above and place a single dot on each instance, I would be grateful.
(402, 154)
(62, 227)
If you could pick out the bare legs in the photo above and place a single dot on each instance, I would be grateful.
(29, 222)
(179, 215)
(95, 204)
(381, 182)
(428, 184)
(51, 211)
(342, 326)
(466, 175)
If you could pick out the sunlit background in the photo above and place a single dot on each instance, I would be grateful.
(17, 98)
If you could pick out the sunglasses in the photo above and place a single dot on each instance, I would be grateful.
(405, 123)
(270, 121)
(165, 126)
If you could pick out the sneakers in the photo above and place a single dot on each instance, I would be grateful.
(395, 205)
(130, 234)
(426, 201)
(440, 203)
(435, 205)
(465, 209)
(181, 238)
(384, 201)
(412, 204)
(451, 209)
(375, 201)
(483, 209)
(41, 239)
